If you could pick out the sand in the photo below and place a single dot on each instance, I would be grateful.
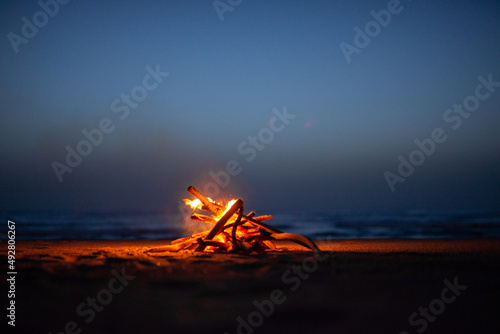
(354, 286)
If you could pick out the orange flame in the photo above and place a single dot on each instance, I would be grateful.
(194, 204)
(228, 206)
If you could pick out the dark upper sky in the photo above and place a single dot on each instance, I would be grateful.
(349, 104)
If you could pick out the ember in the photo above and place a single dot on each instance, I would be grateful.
(232, 230)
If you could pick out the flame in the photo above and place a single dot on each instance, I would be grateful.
(194, 204)
(241, 232)
(228, 206)
(220, 238)
(223, 238)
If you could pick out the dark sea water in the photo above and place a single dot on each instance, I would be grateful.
(317, 225)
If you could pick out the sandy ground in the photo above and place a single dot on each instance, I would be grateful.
(355, 286)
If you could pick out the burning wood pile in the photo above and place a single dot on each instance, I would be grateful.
(232, 230)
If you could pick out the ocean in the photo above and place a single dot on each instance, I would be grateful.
(314, 224)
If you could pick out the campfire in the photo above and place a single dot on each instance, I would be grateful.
(232, 230)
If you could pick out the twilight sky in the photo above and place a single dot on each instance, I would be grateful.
(289, 96)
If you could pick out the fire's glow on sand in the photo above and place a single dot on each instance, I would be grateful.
(232, 230)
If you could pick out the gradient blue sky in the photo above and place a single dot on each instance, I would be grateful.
(226, 77)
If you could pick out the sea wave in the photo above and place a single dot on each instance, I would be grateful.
(314, 224)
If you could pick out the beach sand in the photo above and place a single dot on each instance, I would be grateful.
(352, 286)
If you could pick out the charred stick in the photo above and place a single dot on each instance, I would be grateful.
(209, 206)
(194, 236)
(203, 218)
(235, 226)
(260, 218)
(261, 224)
(238, 205)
